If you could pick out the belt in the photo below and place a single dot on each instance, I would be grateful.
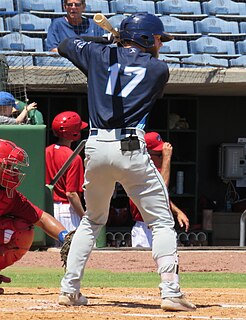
(94, 132)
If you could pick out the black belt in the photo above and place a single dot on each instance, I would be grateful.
(94, 132)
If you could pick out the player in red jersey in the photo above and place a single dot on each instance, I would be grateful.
(18, 215)
(161, 153)
(68, 189)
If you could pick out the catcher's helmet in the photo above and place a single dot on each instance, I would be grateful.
(141, 28)
(11, 158)
(68, 125)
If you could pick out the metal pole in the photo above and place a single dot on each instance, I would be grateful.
(242, 229)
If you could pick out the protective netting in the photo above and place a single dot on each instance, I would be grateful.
(207, 43)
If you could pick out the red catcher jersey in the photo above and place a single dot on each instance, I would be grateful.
(19, 206)
(72, 180)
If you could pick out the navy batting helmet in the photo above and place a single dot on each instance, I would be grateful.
(141, 28)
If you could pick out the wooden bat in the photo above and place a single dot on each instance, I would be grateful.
(49, 206)
(103, 22)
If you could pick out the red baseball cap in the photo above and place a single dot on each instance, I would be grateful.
(153, 141)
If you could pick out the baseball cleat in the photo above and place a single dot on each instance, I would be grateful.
(4, 279)
(177, 304)
(72, 299)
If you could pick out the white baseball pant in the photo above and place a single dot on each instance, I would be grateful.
(106, 164)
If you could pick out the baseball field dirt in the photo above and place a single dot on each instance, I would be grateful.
(124, 303)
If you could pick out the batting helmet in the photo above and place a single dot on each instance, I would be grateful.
(68, 125)
(11, 158)
(141, 28)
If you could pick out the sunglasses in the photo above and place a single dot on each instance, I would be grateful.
(73, 3)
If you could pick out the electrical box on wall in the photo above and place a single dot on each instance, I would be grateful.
(242, 182)
(232, 161)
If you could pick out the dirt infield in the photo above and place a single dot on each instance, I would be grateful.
(134, 261)
(123, 303)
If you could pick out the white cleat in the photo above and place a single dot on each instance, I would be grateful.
(72, 299)
(177, 304)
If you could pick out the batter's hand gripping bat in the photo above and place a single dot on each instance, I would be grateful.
(103, 22)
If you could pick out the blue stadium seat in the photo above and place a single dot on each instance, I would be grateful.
(20, 42)
(242, 27)
(1, 24)
(116, 19)
(216, 25)
(172, 62)
(238, 62)
(241, 47)
(6, 5)
(56, 61)
(130, 6)
(2, 29)
(40, 5)
(175, 47)
(212, 45)
(204, 60)
(178, 6)
(28, 22)
(175, 25)
(214, 7)
(17, 61)
(97, 6)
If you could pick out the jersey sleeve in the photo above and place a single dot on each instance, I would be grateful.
(7, 120)
(77, 51)
(75, 176)
(24, 209)
(52, 39)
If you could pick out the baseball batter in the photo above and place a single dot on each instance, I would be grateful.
(68, 189)
(124, 81)
(17, 214)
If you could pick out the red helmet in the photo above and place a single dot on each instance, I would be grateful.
(68, 125)
(11, 157)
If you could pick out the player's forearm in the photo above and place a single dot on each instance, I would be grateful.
(165, 171)
(180, 215)
(22, 116)
(25, 111)
(174, 208)
(75, 202)
(50, 225)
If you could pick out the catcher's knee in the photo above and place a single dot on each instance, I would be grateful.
(16, 248)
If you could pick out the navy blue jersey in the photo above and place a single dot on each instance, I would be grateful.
(123, 83)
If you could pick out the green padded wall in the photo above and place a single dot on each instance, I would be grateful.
(32, 139)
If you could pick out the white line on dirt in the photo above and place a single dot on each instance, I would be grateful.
(233, 306)
(179, 317)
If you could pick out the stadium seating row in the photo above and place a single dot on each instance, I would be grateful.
(202, 36)
(32, 23)
(191, 61)
(205, 60)
(205, 44)
(131, 6)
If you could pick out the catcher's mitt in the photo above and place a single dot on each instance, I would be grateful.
(65, 247)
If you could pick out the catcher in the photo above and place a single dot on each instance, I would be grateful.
(17, 214)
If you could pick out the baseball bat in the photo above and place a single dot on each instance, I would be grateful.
(103, 22)
(48, 188)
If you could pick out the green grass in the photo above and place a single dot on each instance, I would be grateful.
(51, 277)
